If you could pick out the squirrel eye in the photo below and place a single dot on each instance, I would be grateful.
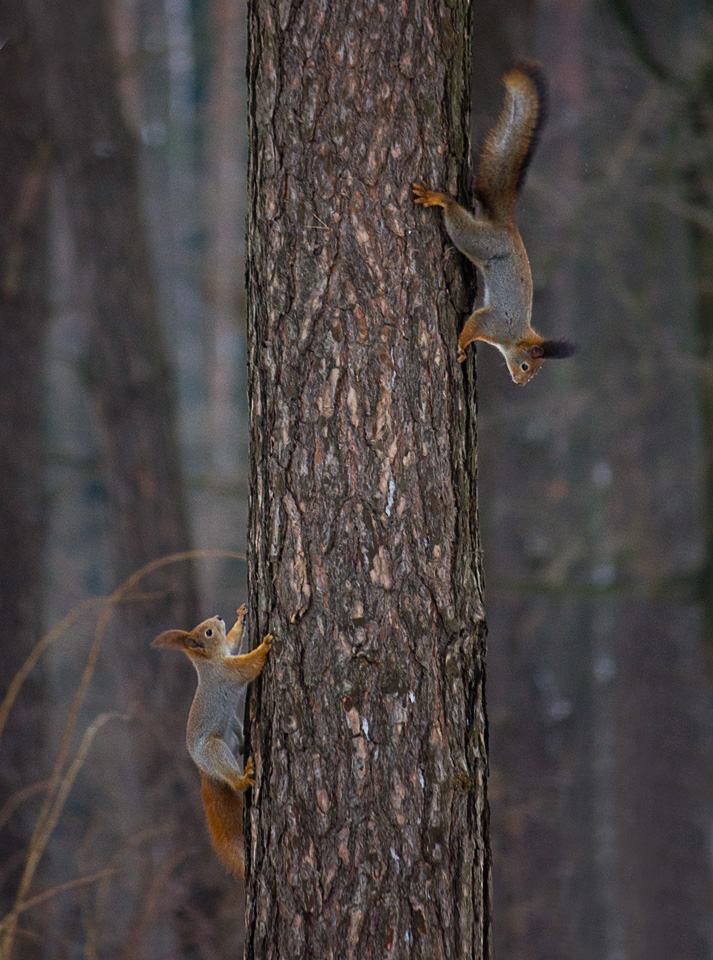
(524, 366)
(209, 632)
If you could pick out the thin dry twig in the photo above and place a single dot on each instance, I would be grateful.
(39, 648)
(17, 798)
(61, 781)
(68, 885)
(43, 831)
(151, 901)
(90, 923)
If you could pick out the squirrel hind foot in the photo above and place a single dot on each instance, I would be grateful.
(428, 198)
(248, 778)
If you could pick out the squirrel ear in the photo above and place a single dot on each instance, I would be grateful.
(170, 638)
(557, 349)
(193, 642)
(537, 351)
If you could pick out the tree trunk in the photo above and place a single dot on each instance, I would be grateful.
(24, 175)
(368, 824)
(128, 374)
(129, 381)
(525, 822)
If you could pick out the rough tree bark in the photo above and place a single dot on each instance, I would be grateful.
(368, 832)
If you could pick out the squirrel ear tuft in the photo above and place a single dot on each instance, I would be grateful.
(170, 638)
(557, 349)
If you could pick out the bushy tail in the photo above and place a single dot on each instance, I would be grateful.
(509, 146)
(224, 813)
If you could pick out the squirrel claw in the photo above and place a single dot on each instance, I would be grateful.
(248, 779)
(429, 198)
(241, 613)
(267, 640)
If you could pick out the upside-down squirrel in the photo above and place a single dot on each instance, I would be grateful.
(492, 241)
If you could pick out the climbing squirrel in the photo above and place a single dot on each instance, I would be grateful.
(492, 241)
(214, 734)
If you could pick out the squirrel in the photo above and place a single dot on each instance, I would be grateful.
(492, 241)
(214, 734)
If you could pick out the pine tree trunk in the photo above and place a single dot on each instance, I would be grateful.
(368, 824)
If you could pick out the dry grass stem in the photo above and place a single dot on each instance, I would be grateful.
(60, 783)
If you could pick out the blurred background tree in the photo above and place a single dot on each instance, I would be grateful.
(595, 494)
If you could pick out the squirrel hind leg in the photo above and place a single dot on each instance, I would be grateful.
(217, 762)
(472, 331)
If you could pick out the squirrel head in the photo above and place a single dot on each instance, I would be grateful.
(205, 640)
(525, 358)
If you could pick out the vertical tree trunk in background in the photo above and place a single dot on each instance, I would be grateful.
(129, 381)
(698, 190)
(224, 178)
(129, 376)
(525, 822)
(600, 712)
(551, 737)
(368, 833)
(657, 698)
(24, 169)
(225, 136)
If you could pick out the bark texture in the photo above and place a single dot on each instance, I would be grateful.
(368, 833)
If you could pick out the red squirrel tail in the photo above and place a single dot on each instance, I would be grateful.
(224, 814)
(510, 144)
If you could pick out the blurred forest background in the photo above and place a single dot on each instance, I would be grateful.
(123, 439)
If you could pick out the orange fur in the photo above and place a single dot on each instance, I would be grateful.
(490, 239)
(248, 666)
(214, 734)
(224, 815)
(509, 146)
